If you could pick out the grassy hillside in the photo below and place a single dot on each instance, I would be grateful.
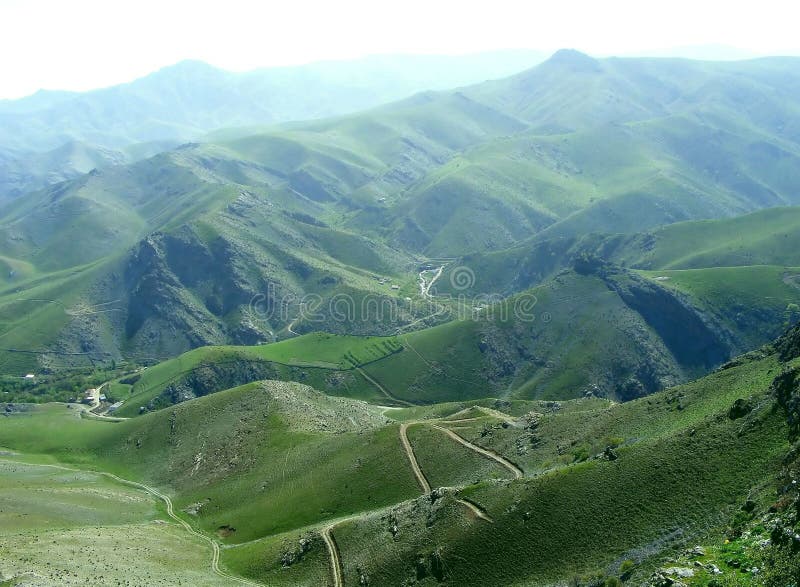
(761, 238)
(326, 361)
(277, 463)
(95, 530)
(756, 303)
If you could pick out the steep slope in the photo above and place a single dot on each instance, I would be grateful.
(598, 330)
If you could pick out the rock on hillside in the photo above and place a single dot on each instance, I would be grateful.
(311, 410)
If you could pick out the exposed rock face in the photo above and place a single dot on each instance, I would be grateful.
(212, 378)
(786, 387)
(691, 339)
(295, 553)
(184, 294)
(788, 345)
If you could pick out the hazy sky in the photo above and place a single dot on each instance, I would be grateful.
(82, 44)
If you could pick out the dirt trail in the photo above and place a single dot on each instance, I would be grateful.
(383, 390)
(291, 326)
(476, 509)
(499, 415)
(333, 553)
(423, 482)
(518, 474)
(488, 411)
(170, 512)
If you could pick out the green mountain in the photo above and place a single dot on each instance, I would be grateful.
(535, 331)
(518, 179)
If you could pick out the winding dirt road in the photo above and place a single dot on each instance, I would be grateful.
(423, 482)
(518, 474)
(291, 326)
(425, 285)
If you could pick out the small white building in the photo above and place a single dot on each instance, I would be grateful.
(29, 376)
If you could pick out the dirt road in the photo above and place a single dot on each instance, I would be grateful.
(425, 285)
(518, 474)
(423, 482)
(333, 554)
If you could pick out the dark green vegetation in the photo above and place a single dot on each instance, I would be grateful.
(266, 466)
(569, 178)
(63, 386)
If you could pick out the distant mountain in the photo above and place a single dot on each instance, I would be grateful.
(185, 101)
(35, 171)
(700, 52)
(518, 178)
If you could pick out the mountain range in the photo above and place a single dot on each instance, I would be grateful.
(55, 135)
(539, 330)
(559, 178)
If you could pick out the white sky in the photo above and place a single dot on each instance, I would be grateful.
(83, 44)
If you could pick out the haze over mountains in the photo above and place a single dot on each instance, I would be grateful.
(54, 135)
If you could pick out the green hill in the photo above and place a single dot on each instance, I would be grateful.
(266, 467)
(51, 136)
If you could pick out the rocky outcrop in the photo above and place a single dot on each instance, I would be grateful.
(212, 378)
(696, 342)
(185, 293)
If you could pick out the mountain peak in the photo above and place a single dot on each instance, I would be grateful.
(189, 68)
(573, 60)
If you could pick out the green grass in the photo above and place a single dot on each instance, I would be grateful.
(268, 458)
(557, 349)
(263, 560)
(82, 527)
(272, 462)
(446, 463)
(314, 357)
(767, 237)
(679, 473)
(34, 497)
